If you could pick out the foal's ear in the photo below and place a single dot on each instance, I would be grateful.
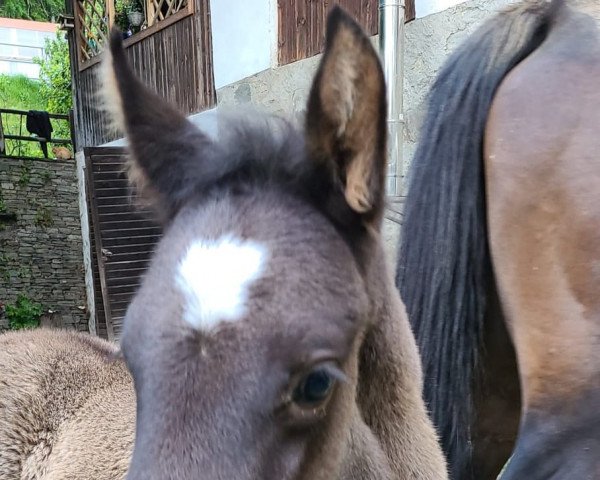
(346, 116)
(165, 149)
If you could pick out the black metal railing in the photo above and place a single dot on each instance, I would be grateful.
(12, 145)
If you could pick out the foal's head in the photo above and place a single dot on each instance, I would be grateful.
(243, 339)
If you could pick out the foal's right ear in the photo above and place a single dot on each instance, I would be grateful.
(165, 149)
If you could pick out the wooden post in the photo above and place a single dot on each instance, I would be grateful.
(151, 12)
(72, 129)
(110, 9)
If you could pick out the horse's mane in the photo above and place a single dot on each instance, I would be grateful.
(258, 148)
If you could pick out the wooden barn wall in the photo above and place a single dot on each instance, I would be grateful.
(124, 237)
(176, 62)
(301, 24)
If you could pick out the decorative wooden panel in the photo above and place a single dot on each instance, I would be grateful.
(94, 19)
(301, 24)
(124, 235)
(159, 10)
(92, 24)
(175, 61)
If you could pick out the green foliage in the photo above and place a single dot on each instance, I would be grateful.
(51, 93)
(20, 92)
(25, 313)
(39, 10)
(124, 8)
(24, 272)
(121, 19)
(4, 271)
(55, 77)
(24, 175)
(46, 177)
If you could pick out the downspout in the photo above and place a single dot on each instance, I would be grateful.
(391, 45)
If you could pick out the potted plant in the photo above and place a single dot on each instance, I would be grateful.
(135, 13)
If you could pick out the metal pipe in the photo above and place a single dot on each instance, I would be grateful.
(391, 45)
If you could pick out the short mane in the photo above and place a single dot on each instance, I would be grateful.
(261, 150)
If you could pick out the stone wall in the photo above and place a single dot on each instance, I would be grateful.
(40, 247)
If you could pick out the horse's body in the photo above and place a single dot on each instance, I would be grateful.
(504, 205)
(267, 340)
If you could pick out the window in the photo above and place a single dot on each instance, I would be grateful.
(27, 37)
(6, 35)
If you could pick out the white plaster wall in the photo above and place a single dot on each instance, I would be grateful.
(429, 7)
(428, 42)
(244, 37)
(85, 235)
(207, 121)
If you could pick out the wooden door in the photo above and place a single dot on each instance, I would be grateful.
(123, 237)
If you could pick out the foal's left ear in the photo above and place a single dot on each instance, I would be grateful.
(346, 116)
(168, 156)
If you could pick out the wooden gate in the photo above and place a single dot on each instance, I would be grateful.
(122, 234)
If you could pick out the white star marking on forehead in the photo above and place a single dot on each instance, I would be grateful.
(215, 277)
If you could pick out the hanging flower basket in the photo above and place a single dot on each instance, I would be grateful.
(136, 18)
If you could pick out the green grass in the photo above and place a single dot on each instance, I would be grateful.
(21, 93)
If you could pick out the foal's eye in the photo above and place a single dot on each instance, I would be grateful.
(314, 388)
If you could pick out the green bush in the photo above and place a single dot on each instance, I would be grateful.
(55, 81)
(25, 313)
(21, 93)
(55, 75)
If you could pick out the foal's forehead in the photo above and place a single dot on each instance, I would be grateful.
(215, 276)
(227, 259)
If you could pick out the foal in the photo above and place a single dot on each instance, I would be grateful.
(267, 339)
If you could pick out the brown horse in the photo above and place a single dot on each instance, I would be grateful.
(501, 246)
(267, 340)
